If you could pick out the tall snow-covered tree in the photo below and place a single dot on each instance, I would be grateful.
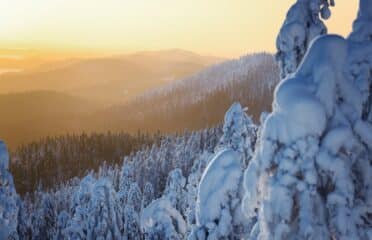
(126, 179)
(239, 133)
(104, 212)
(132, 213)
(78, 226)
(175, 190)
(44, 218)
(148, 194)
(131, 224)
(8, 198)
(361, 59)
(311, 174)
(302, 24)
(135, 197)
(62, 221)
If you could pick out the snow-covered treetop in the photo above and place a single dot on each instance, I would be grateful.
(362, 29)
(302, 24)
(175, 181)
(239, 132)
(4, 156)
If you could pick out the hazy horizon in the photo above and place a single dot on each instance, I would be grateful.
(53, 29)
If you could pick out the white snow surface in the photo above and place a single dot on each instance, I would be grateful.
(220, 179)
(310, 176)
(160, 216)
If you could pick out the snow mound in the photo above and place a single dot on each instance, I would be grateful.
(160, 220)
(217, 192)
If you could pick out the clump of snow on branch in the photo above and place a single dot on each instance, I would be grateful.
(302, 24)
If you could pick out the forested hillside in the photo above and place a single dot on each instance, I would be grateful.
(303, 171)
(108, 79)
(200, 100)
(53, 160)
(190, 103)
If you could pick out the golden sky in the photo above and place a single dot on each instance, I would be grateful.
(216, 27)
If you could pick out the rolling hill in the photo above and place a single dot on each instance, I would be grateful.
(30, 115)
(109, 80)
(193, 102)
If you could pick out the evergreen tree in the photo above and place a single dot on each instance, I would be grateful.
(302, 24)
(8, 198)
(239, 133)
(148, 194)
(126, 179)
(310, 177)
(175, 190)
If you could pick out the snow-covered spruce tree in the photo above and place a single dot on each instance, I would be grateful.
(160, 220)
(44, 218)
(218, 202)
(104, 212)
(132, 229)
(8, 198)
(23, 228)
(239, 133)
(96, 211)
(135, 197)
(361, 59)
(175, 190)
(126, 179)
(148, 195)
(78, 226)
(311, 174)
(132, 213)
(62, 221)
(302, 24)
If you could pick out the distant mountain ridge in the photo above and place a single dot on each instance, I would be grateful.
(193, 102)
(108, 80)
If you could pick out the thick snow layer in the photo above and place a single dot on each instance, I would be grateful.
(302, 24)
(302, 104)
(311, 173)
(161, 219)
(220, 179)
(364, 130)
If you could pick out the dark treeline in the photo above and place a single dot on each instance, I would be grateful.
(53, 160)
